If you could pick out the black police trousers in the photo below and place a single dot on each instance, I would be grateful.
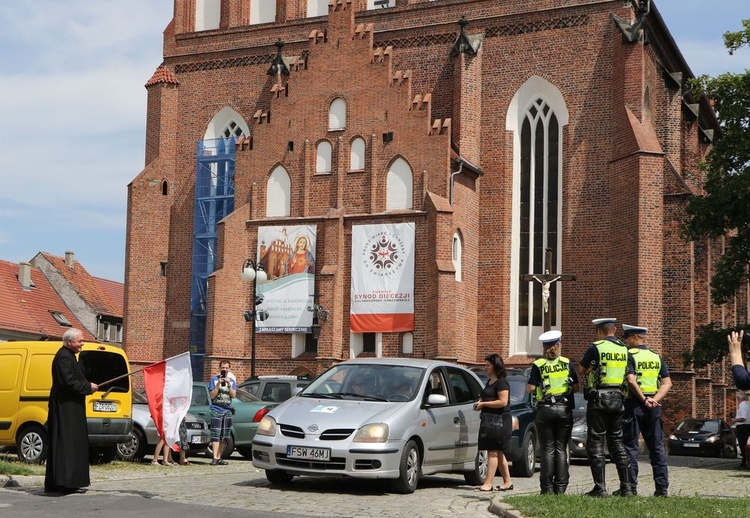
(604, 419)
(641, 420)
(555, 424)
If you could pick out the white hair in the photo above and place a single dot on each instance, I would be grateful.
(71, 335)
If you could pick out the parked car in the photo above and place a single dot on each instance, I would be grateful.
(274, 389)
(145, 436)
(411, 417)
(703, 437)
(580, 429)
(249, 410)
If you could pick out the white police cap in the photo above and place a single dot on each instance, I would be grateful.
(550, 338)
(601, 322)
(633, 330)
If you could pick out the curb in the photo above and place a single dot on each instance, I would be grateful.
(21, 480)
(500, 508)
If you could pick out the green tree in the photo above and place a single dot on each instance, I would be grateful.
(724, 208)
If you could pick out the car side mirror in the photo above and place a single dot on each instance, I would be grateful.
(437, 400)
(297, 390)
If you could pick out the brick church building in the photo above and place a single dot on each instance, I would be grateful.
(490, 130)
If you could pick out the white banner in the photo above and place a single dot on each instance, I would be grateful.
(288, 256)
(382, 297)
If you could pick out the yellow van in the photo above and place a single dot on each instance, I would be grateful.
(25, 383)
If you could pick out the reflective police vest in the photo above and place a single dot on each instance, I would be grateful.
(647, 367)
(555, 374)
(613, 360)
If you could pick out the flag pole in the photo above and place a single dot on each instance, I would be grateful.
(138, 370)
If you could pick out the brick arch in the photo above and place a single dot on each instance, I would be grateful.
(301, 371)
(221, 118)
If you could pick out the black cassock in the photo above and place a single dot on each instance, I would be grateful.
(68, 455)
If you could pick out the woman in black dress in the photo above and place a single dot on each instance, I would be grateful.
(496, 427)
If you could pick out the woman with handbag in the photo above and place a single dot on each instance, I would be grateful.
(496, 427)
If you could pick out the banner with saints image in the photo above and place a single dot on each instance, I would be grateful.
(382, 291)
(288, 257)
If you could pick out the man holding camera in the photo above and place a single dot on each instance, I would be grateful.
(222, 389)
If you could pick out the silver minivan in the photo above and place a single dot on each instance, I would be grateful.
(390, 418)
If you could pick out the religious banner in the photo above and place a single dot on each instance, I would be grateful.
(288, 257)
(382, 278)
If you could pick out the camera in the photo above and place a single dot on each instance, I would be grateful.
(223, 373)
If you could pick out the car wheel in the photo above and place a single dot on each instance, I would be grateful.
(477, 476)
(134, 450)
(32, 444)
(408, 470)
(524, 467)
(228, 448)
(245, 451)
(278, 476)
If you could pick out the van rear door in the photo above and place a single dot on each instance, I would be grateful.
(11, 368)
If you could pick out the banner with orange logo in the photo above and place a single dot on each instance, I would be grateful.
(382, 291)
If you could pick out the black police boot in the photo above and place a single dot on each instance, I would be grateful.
(600, 486)
(625, 489)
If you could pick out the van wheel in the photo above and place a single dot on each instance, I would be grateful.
(477, 476)
(32, 444)
(134, 450)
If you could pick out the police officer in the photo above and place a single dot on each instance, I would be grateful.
(648, 382)
(603, 369)
(553, 380)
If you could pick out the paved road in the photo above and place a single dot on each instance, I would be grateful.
(244, 491)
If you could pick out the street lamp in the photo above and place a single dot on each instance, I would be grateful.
(252, 271)
(320, 315)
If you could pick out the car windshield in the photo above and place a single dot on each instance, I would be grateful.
(698, 426)
(367, 381)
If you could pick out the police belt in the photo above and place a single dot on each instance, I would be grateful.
(561, 400)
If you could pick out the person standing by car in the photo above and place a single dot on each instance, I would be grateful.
(741, 425)
(68, 459)
(222, 389)
(603, 371)
(553, 381)
(648, 383)
(496, 427)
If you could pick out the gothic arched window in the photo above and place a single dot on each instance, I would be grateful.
(399, 186)
(279, 193)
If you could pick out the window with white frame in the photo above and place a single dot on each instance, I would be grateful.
(262, 11)
(207, 14)
(323, 163)
(226, 123)
(399, 186)
(337, 115)
(279, 193)
(407, 343)
(357, 155)
(365, 343)
(317, 8)
(457, 255)
(537, 115)
(232, 129)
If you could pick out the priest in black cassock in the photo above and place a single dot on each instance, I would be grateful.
(68, 456)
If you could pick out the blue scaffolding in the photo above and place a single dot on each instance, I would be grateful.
(214, 200)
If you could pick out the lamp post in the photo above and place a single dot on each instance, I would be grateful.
(320, 315)
(252, 271)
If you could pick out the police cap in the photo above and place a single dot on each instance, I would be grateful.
(550, 338)
(601, 322)
(633, 330)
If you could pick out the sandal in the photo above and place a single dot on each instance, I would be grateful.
(480, 489)
(501, 488)
(155, 463)
(186, 463)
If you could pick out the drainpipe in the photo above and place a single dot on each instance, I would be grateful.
(453, 174)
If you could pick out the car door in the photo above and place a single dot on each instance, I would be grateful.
(439, 431)
(465, 391)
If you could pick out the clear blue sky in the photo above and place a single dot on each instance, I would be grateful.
(73, 109)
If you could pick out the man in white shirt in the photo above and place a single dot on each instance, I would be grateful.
(741, 425)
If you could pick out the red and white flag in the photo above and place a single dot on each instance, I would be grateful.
(169, 389)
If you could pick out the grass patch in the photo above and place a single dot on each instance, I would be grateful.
(10, 465)
(578, 506)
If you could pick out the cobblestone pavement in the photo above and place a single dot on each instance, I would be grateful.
(240, 486)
